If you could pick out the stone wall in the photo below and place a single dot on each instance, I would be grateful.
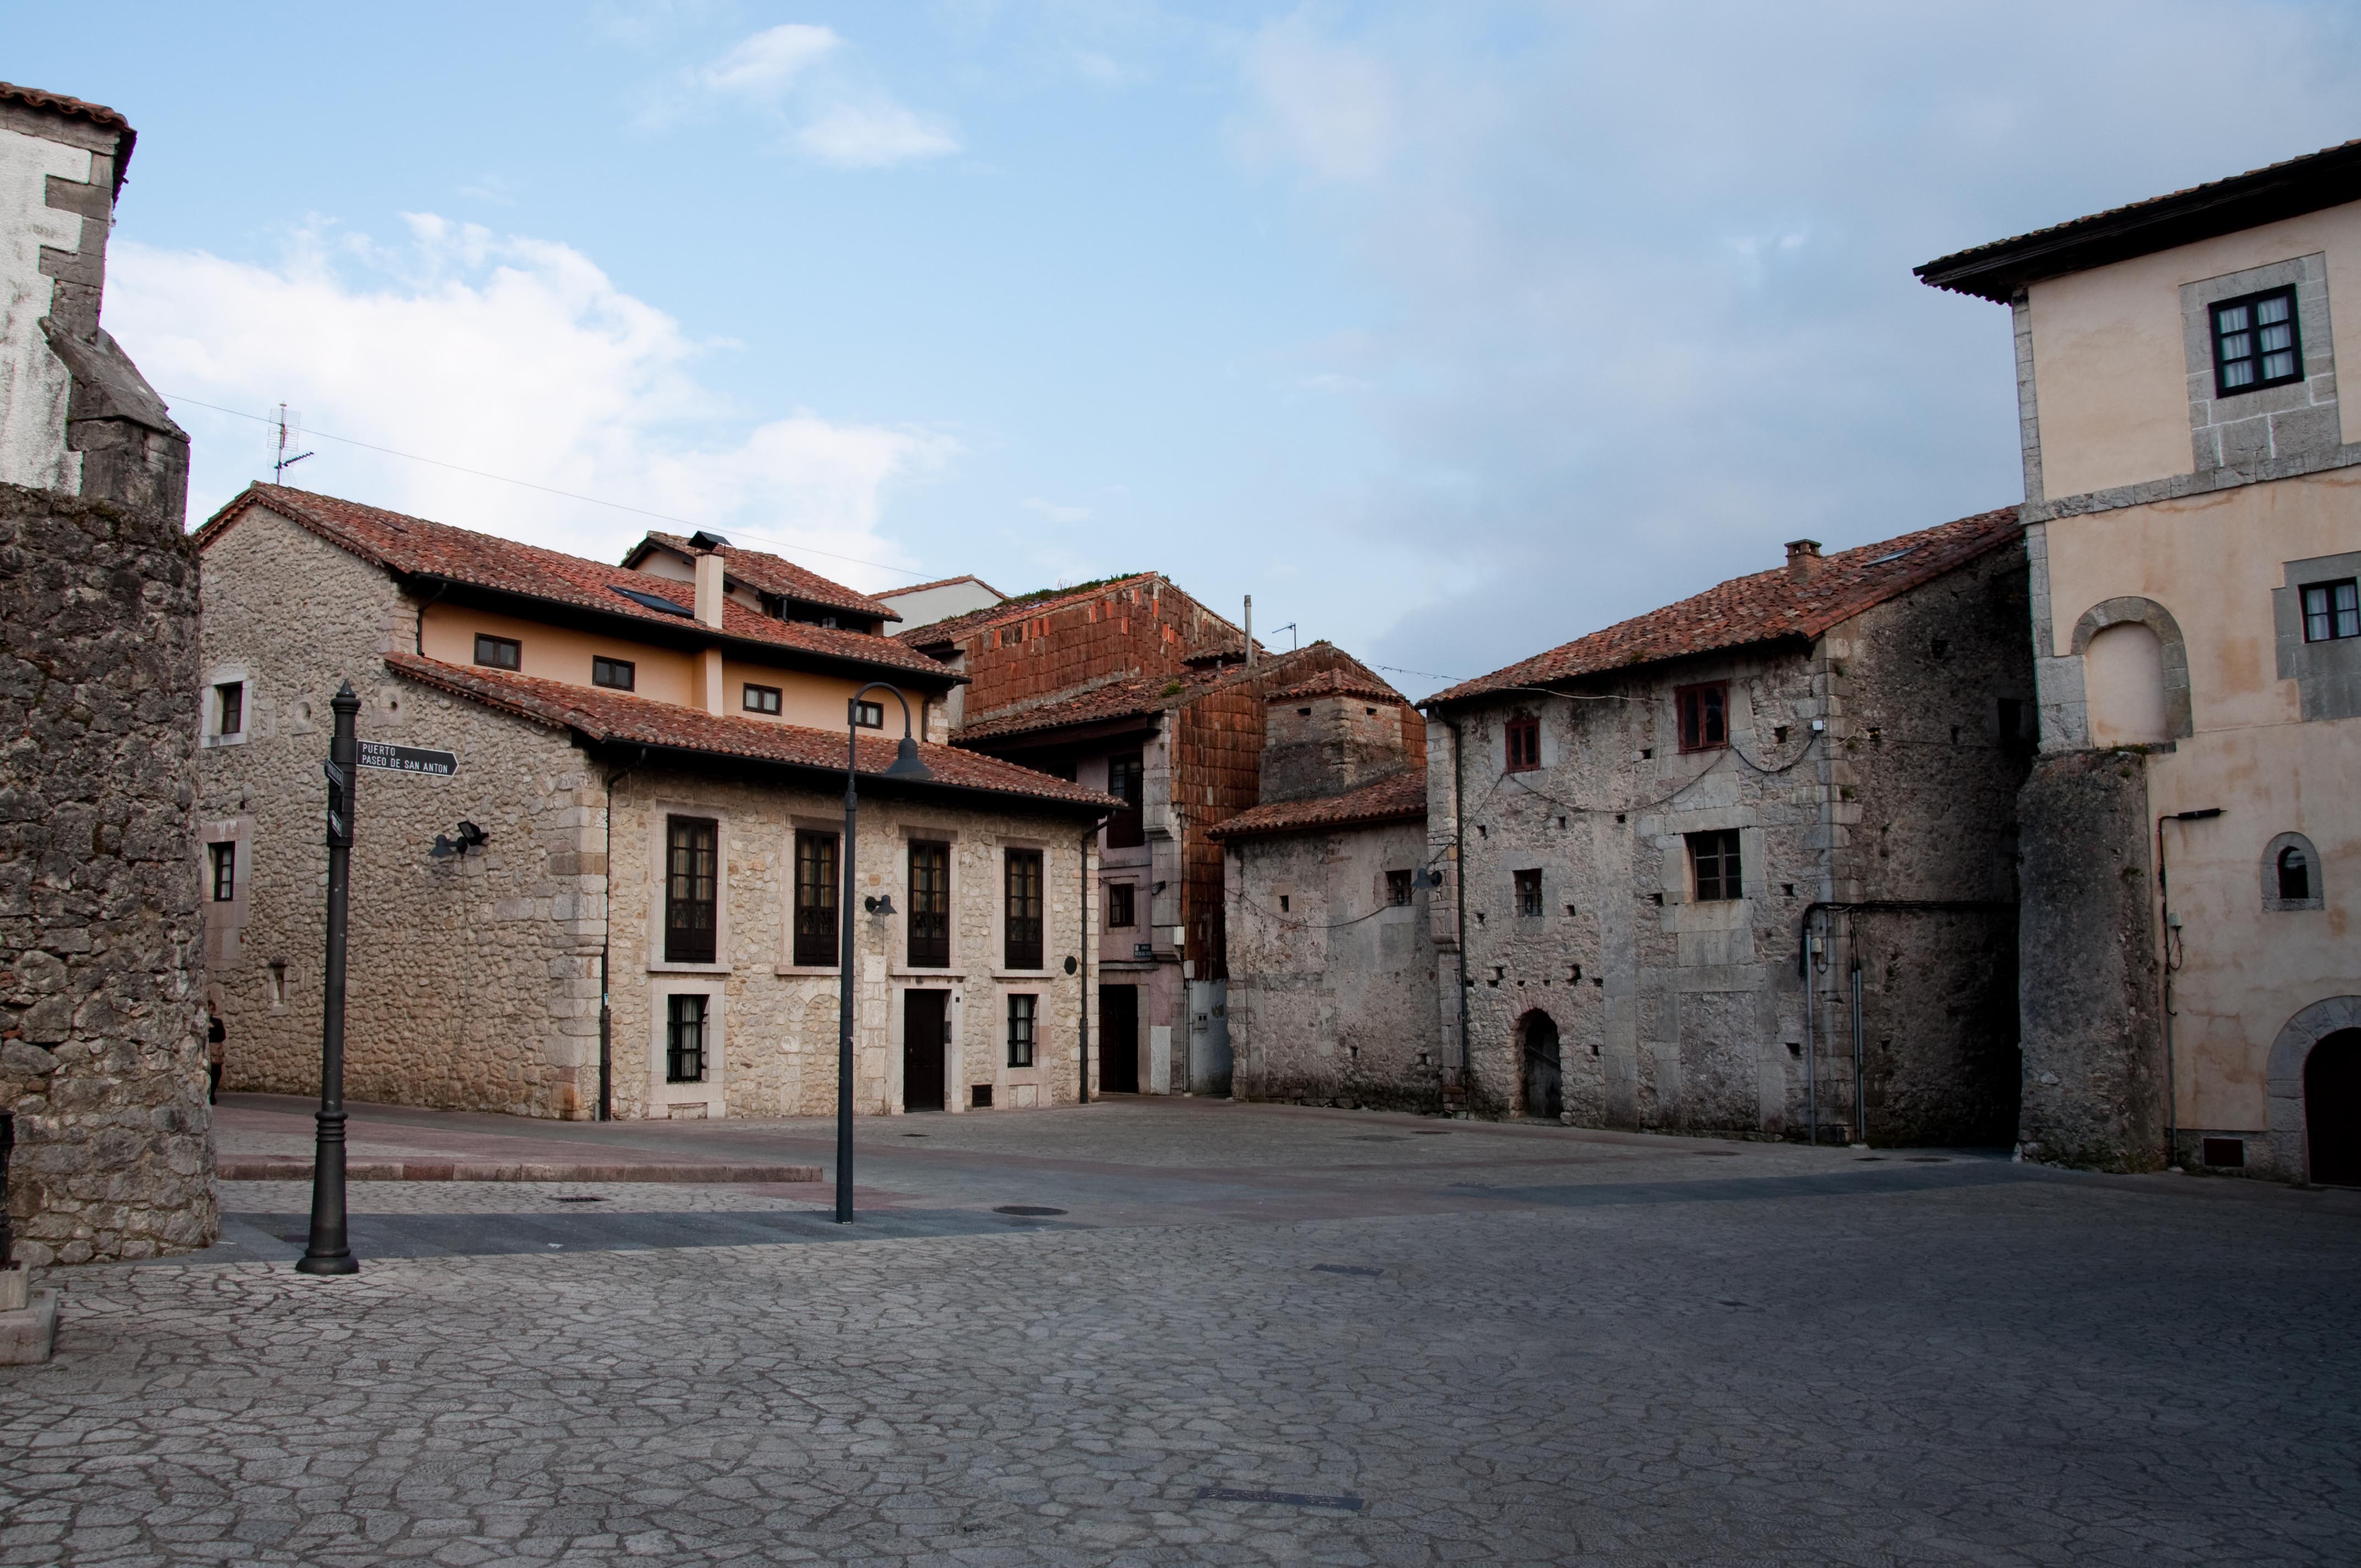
(101, 1044)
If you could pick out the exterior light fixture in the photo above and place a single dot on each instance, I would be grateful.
(458, 842)
(881, 905)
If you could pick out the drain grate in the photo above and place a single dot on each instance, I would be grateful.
(1431, 1133)
(1027, 1209)
(1868, 1158)
(577, 1200)
(1926, 1159)
(1355, 1270)
(914, 1134)
(1373, 1138)
(1349, 1503)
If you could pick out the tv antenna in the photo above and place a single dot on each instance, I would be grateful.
(286, 431)
(1292, 638)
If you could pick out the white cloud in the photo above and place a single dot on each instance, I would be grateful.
(872, 134)
(762, 67)
(512, 356)
(1055, 511)
(1317, 101)
(802, 80)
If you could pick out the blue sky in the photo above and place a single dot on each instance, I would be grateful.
(1448, 332)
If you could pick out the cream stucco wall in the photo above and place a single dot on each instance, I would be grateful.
(2110, 368)
(33, 382)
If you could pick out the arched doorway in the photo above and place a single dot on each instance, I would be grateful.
(1545, 1081)
(2332, 1109)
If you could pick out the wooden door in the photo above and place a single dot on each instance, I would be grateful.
(1119, 1039)
(926, 1041)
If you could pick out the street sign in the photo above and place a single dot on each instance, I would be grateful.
(409, 760)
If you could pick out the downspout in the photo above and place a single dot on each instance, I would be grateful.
(1459, 899)
(425, 605)
(1860, 1109)
(1089, 839)
(606, 950)
(1811, 1041)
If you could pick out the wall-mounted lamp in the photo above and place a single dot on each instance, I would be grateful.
(880, 904)
(1426, 881)
(458, 842)
(1159, 887)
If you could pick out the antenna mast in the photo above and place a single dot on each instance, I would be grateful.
(286, 430)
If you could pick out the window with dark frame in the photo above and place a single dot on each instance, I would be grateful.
(1398, 887)
(685, 1039)
(1704, 713)
(498, 653)
(1021, 910)
(1524, 744)
(2332, 610)
(1022, 1013)
(817, 937)
(1529, 892)
(1713, 858)
(691, 887)
(2295, 875)
(621, 675)
(1128, 782)
(869, 715)
(2256, 343)
(224, 871)
(930, 906)
(230, 708)
(760, 699)
(1122, 913)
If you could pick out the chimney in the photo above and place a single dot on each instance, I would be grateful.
(1249, 632)
(1803, 560)
(709, 589)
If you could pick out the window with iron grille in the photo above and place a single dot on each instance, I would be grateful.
(685, 1039)
(1398, 887)
(498, 653)
(2255, 343)
(1121, 911)
(1022, 1013)
(2332, 610)
(1022, 912)
(1128, 782)
(620, 674)
(691, 885)
(1529, 892)
(1713, 858)
(1705, 715)
(760, 699)
(816, 935)
(930, 906)
(224, 871)
(1524, 744)
(230, 708)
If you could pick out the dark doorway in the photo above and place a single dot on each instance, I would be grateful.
(1545, 1086)
(925, 1039)
(1119, 1039)
(2332, 1109)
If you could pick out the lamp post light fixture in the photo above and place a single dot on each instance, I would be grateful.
(906, 765)
(327, 1252)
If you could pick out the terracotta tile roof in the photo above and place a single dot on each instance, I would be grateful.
(944, 583)
(952, 629)
(766, 573)
(1117, 699)
(619, 719)
(2328, 178)
(98, 114)
(1762, 607)
(1338, 682)
(1399, 797)
(413, 546)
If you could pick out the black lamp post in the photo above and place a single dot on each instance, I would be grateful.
(327, 1252)
(906, 765)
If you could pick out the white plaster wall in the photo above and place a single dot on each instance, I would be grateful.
(924, 607)
(33, 383)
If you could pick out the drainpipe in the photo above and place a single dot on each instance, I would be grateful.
(1090, 838)
(1859, 1108)
(1811, 1042)
(2164, 898)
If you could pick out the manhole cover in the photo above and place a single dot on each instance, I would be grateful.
(1373, 1138)
(577, 1200)
(1927, 1159)
(1028, 1209)
(1355, 1270)
(1868, 1158)
(1431, 1133)
(914, 1134)
(1718, 1153)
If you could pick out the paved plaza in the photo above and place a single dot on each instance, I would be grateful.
(1244, 1335)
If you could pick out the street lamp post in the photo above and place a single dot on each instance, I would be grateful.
(906, 765)
(327, 1252)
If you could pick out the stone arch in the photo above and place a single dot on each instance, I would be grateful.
(1541, 1068)
(2273, 899)
(2132, 610)
(2285, 1075)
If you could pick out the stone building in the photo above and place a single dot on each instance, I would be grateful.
(102, 1044)
(1640, 830)
(632, 909)
(1330, 952)
(2192, 831)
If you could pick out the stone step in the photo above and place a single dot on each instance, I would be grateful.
(295, 1168)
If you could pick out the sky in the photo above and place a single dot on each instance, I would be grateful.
(1449, 333)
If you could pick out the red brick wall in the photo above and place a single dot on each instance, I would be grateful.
(1143, 627)
(1216, 774)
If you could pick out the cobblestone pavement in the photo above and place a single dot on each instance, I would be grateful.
(1545, 1347)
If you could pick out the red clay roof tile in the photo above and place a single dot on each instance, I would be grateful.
(1399, 798)
(766, 573)
(1338, 682)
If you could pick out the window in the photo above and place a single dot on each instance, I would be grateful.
(1022, 912)
(224, 871)
(2294, 868)
(1120, 910)
(815, 930)
(867, 715)
(277, 983)
(685, 1039)
(620, 674)
(1705, 715)
(689, 889)
(498, 653)
(229, 709)
(1022, 1013)
(760, 699)
(1524, 744)
(930, 906)
(1714, 857)
(1398, 887)
(2255, 342)
(2331, 610)
(1529, 892)
(1126, 780)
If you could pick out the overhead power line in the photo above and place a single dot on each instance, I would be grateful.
(690, 523)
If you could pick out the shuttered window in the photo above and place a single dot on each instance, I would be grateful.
(815, 930)
(930, 906)
(1022, 914)
(691, 889)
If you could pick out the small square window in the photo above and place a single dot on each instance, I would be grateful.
(685, 1039)
(498, 653)
(1705, 715)
(867, 715)
(1398, 887)
(2256, 343)
(2332, 610)
(1529, 892)
(225, 857)
(229, 707)
(1121, 910)
(978, 1096)
(620, 674)
(2227, 1154)
(1524, 744)
(1022, 1013)
(760, 699)
(1713, 858)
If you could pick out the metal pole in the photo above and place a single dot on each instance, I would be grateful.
(1859, 1108)
(327, 1252)
(1811, 1044)
(844, 988)
(1088, 838)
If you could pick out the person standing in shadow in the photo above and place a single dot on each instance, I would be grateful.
(216, 1039)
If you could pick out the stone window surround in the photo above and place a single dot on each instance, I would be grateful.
(711, 1093)
(898, 943)
(1003, 1073)
(2289, 1145)
(1671, 831)
(2272, 902)
(2295, 419)
(799, 823)
(209, 710)
(2064, 696)
(2327, 675)
(224, 923)
(1001, 845)
(659, 812)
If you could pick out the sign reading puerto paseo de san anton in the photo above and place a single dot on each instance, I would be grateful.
(409, 760)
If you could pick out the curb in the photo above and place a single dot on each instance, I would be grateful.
(283, 1168)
